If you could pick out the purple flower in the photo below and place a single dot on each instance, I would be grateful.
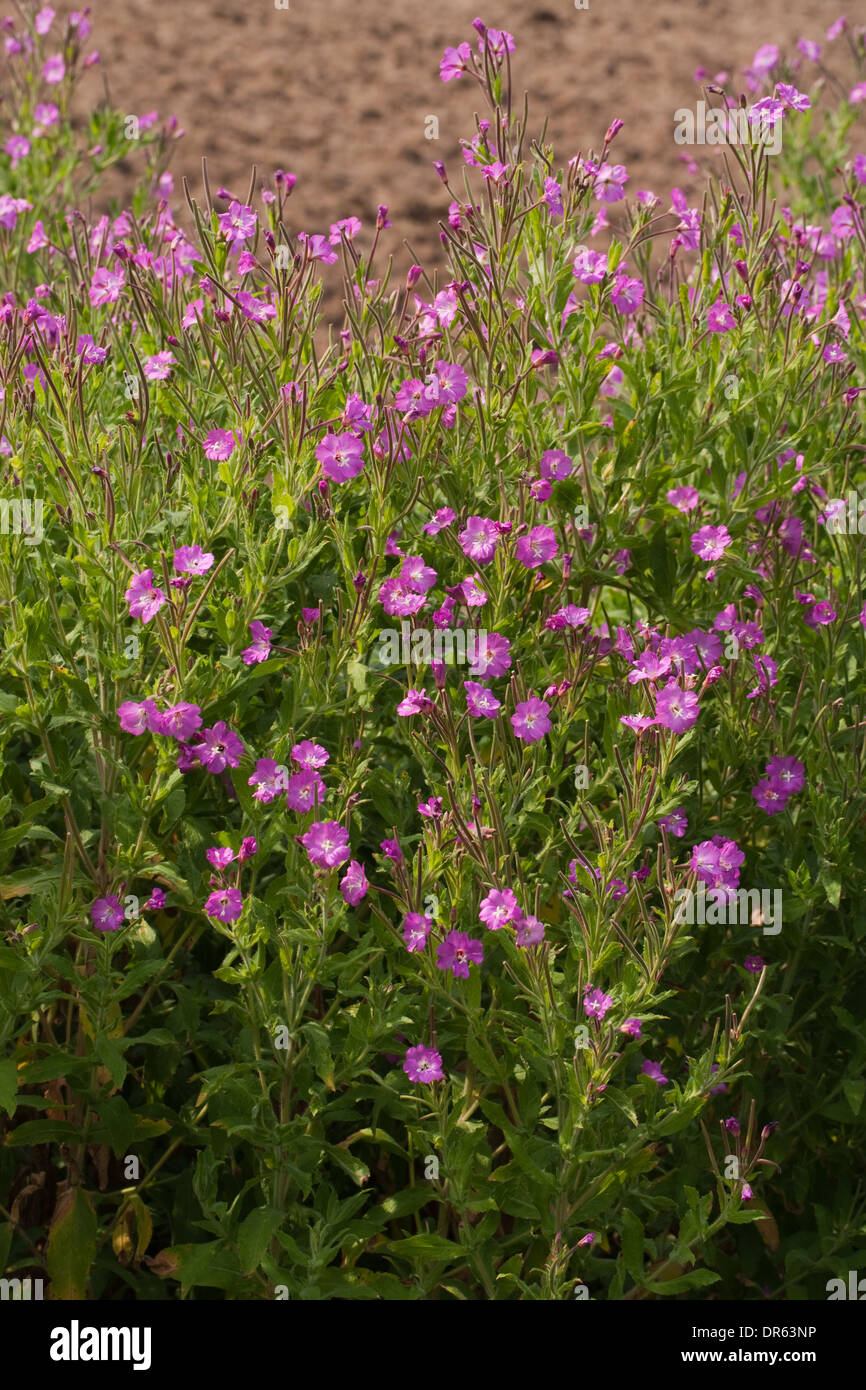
(653, 1070)
(107, 913)
(310, 754)
(788, 775)
(530, 932)
(720, 318)
(676, 709)
(498, 908)
(136, 718)
(341, 456)
(732, 1125)
(156, 901)
(88, 349)
(220, 856)
(414, 702)
(220, 748)
(711, 542)
(685, 499)
(391, 850)
(238, 223)
(353, 884)
(747, 1192)
(143, 597)
(481, 702)
(770, 798)
(326, 843)
(416, 929)
(492, 656)
(423, 1063)
(457, 952)
(632, 1027)
(219, 444)
(443, 518)
(596, 1004)
(555, 463)
(226, 905)
(478, 539)
(539, 546)
(249, 847)
(191, 559)
(260, 646)
(269, 780)
(754, 964)
(529, 720)
(675, 824)
(180, 721)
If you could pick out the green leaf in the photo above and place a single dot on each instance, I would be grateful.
(854, 1092)
(631, 1233)
(695, 1279)
(8, 1085)
(427, 1247)
(71, 1245)
(255, 1235)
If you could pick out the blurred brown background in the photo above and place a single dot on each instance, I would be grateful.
(337, 91)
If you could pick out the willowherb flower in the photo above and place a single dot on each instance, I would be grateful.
(225, 904)
(675, 824)
(423, 1063)
(676, 709)
(220, 748)
(711, 542)
(498, 908)
(754, 964)
(220, 856)
(478, 539)
(632, 1027)
(136, 718)
(107, 913)
(219, 444)
(457, 952)
(180, 721)
(654, 1071)
(326, 843)
(416, 929)
(191, 559)
(341, 456)
(414, 702)
(156, 901)
(259, 648)
(530, 931)
(529, 720)
(353, 884)
(596, 1004)
(391, 850)
(269, 780)
(481, 702)
(143, 597)
(536, 548)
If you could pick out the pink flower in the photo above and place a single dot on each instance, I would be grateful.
(220, 748)
(654, 1071)
(455, 62)
(596, 1004)
(676, 709)
(269, 779)
(191, 559)
(416, 929)
(220, 856)
(219, 444)
(478, 539)
(353, 884)
(143, 597)
(720, 318)
(347, 226)
(305, 790)
(238, 223)
(105, 286)
(530, 932)
(260, 645)
(711, 542)
(555, 464)
(310, 754)
(423, 1063)
(226, 905)
(327, 844)
(53, 69)
(626, 294)
(536, 548)
(158, 367)
(481, 702)
(632, 1027)
(685, 499)
(498, 908)
(457, 952)
(341, 456)
(529, 720)
(107, 913)
(180, 721)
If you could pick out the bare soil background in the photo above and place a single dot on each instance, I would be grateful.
(337, 91)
